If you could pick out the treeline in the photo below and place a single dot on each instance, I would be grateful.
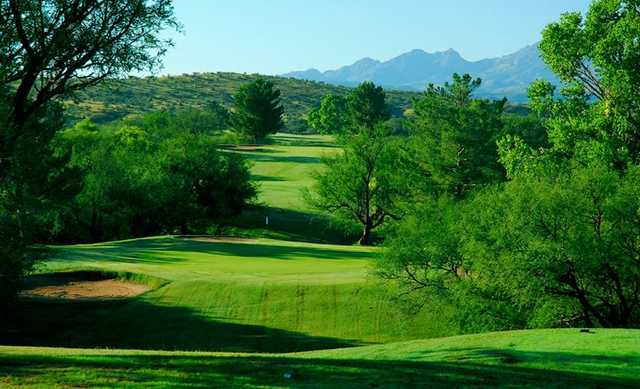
(147, 177)
(517, 221)
(157, 173)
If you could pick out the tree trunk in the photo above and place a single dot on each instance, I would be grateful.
(21, 98)
(365, 239)
(95, 229)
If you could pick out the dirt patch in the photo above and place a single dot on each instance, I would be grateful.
(71, 288)
(221, 239)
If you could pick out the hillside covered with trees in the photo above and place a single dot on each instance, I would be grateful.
(119, 98)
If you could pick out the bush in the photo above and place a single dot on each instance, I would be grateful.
(144, 179)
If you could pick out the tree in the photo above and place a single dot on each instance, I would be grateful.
(567, 240)
(364, 108)
(13, 260)
(452, 146)
(133, 177)
(37, 184)
(218, 116)
(211, 120)
(424, 249)
(367, 106)
(557, 244)
(597, 57)
(331, 117)
(257, 109)
(218, 183)
(54, 47)
(51, 48)
(361, 185)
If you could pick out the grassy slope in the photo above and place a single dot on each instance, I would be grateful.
(263, 296)
(282, 170)
(541, 358)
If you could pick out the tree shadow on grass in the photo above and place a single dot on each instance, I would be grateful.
(291, 140)
(293, 159)
(263, 178)
(138, 324)
(269, 251)
(288, 370)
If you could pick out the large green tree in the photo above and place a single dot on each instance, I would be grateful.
(48, 49)
(363, 108)
(597, 57)
(367, 106)
(141, 180)
(452, 147)
(37, 184)
(556, 245)
(361, 185)
(331, 117)
(52, 47)
(564, 244)
(257, 111)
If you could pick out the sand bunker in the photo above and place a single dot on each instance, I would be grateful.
(70, 288)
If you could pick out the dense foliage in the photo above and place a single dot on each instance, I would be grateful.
(361, 185)
(452, 148)
(257, 111)
(331, 116)
(147, 177)
(34, 181)
(160, 173)
(367, 106)
(563, 245)
(557, 244)
(57, 46)
(115, 99)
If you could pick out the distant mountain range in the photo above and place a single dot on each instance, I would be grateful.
(507, 76)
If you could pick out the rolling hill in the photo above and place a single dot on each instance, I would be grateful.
(118, 98)
(507, 76)
(564, 358)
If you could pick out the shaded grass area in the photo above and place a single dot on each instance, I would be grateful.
(524, 358)
(282, 169)
(198, 315)
(143, 325)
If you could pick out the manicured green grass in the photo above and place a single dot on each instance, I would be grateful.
(254, 296)
(282, 169)
(192, 259)
(541, 358)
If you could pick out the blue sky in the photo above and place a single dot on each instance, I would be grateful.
(277, 36)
